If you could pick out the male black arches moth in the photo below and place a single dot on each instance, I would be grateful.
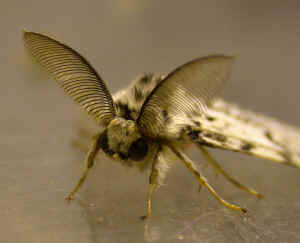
(150, 123)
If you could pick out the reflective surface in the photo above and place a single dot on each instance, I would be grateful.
(122, 39)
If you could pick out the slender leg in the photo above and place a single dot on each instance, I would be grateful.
(203, 181)
(219, 169)
(89, 161)
(152, 184)
(151, 187)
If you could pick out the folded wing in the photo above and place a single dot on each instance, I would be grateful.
(232, 128)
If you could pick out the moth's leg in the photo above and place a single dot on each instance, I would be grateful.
(89, 161)
(219, 169)
(203, 181)
(203, 167)
(152, 184)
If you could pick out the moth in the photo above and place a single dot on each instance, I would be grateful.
(150, 124)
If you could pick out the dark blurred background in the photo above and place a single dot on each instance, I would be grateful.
(123, 38)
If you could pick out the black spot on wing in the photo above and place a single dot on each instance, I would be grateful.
(210, 118)
(221, 138)
(286, 154)
(247, 146)
(269, 136)
(197, 123)
(208, 135)
(215, 136)
(196, 136)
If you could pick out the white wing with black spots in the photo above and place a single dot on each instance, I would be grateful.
(228, 126)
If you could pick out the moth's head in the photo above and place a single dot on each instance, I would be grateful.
(123, 141)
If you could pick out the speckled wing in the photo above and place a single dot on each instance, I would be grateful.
(227, 126)
(189, 88)
(73, 73)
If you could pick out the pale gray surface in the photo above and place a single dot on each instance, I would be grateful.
(122, 39)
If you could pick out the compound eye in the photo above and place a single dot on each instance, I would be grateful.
(138, 149)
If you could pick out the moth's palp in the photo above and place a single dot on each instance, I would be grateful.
(89, 161)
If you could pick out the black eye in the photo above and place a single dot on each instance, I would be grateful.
(138, 149)
(104, 144)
